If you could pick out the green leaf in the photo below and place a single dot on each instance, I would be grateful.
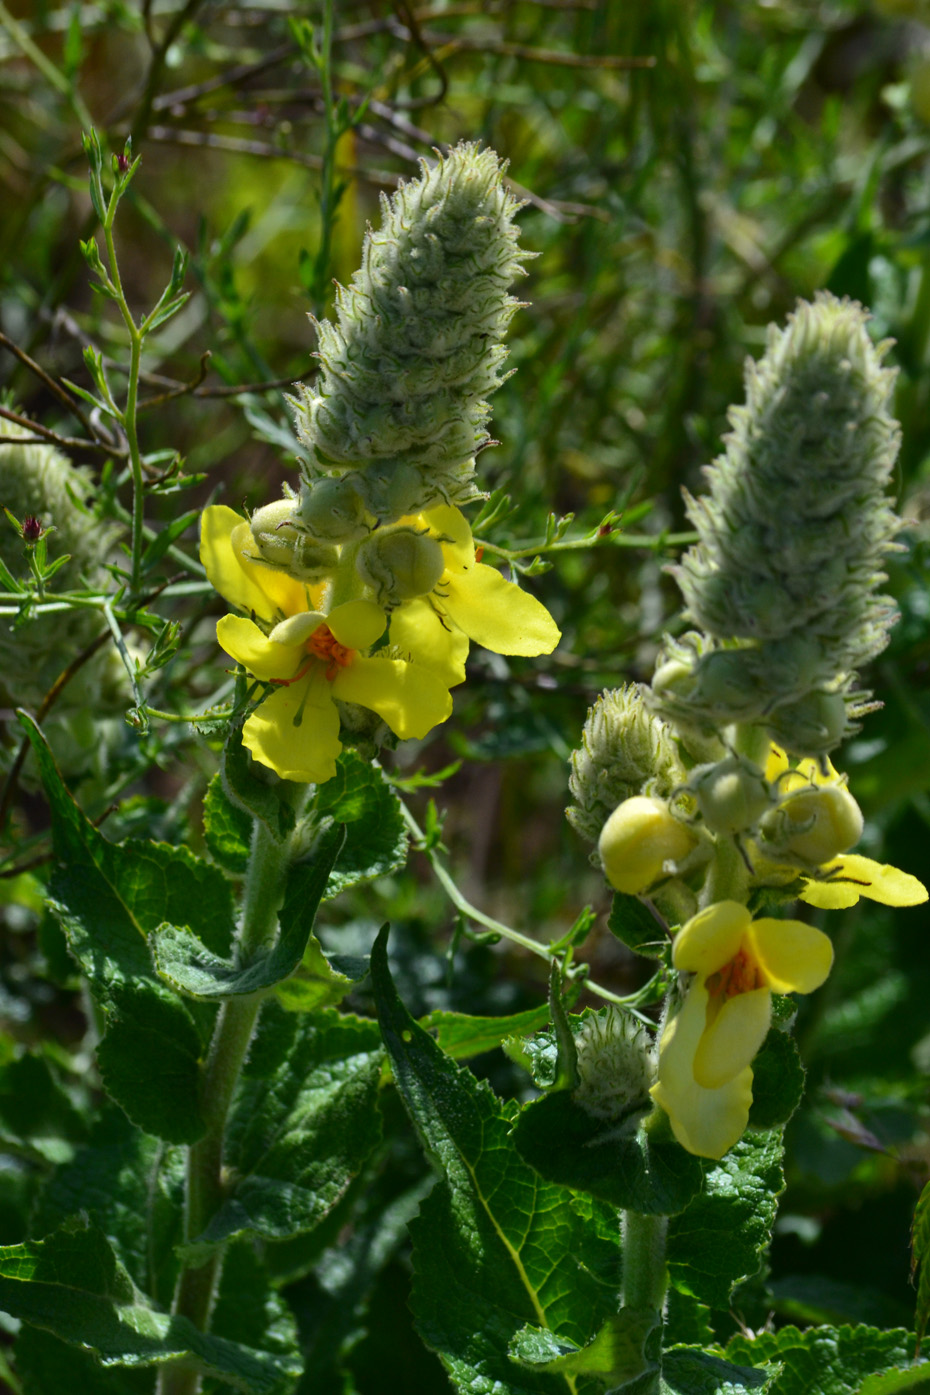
(916, 1379)
(635, 925)
(132, 1187)
(460, 1035)
(777, 1081)
(635, 1166)
(73, 1286)
(186, 963)
(227, 829)
(616, 1355)
(494, 1247)
(823, 1360)
(376, 836)
(37, 1117)
(719, 1240)
(250, 1311)
(690, 1371)
(255, 790)
(109, 897)
(164, 539)
(920, 1253)
(46, 1365)
(303, 1123)
(320, 982)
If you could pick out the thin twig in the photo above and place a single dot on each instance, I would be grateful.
(63, 396)
(183, 389)
(46, 434)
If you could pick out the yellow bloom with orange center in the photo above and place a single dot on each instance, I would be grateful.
(705, 1075)
(469, 601)
(309, 659)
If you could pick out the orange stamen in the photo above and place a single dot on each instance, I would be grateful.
(741, 975)
(324, 644)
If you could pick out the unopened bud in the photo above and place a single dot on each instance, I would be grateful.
(731, 795)
(281, 544)
(638, 840)
(615, 1064)
(399, 564)
(32, 529)
(332, 511)
(816, 825)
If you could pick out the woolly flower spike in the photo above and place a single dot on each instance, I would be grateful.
(624, 751)
(793, 534)
(398, 411)
(615, 1063)
(705, 1075)
(310, 661)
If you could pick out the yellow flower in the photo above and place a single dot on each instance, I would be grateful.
(311, 659)
(638, 839)
(470, 601)
(705, 1076)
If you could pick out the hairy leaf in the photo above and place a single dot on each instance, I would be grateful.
(617, 1353)
(823, 1360)
(227, 828)
(690, 1371)
(376, 837)
(634, 924)
(38, 1119)
(777, 1081)
(460, 1035)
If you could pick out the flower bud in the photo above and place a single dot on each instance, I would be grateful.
(637, 841)
(615, 1064)
(814, 826)
(625, 750)
(731, 795)
(332, 510)
(281, 544)
(32, 529)
(400, 563)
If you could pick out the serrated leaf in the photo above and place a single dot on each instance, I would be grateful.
(376, 836)
(920, 1253)
(227, 829)
(777, 1081)
(823, 1360)
(187, 964)
(495, 1248)
(109, 897)
(460, 1035)
(250, 1311)
(302, 1125)
(635, 925)
(320, 981)
(256, 790)
(916, 1380)
(45, 1364)
(37, 1116)
(719, 1239)
(73, 1286)
(132, 1188)
(632, 1165)
(616, 1355)
(690, 1371)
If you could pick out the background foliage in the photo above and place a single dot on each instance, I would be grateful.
(690, 169)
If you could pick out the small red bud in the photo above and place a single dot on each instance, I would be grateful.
(32, 529)
(605, 530)
(122, 163)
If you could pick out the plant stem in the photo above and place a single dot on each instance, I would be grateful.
(645, 1277)
(264, 890)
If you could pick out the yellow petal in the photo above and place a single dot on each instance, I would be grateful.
(853, 876)
(295, 731)
(418, 632)
(793, 957)
(706, 1122)
(450, 527)
(776, 763)
(732, 1039)
(244, 642)
(357, 624)
(711, 938)
(283, 594)
(410, 698)
(297, 629)
(221, 562)
(496, 613)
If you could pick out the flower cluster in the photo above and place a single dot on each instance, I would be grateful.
(360, 594)
(714, 785)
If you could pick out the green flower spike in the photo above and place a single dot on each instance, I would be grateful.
(793, 535)
(398, 411)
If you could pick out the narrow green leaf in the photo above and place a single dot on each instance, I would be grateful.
(461, 1036)
(823, 1360)
(164, 539)
(920, 1254)
(73, 1286)
(488, 1216)
(719, 1239)
(185, 961)
(635, 925)
(376, 835)
(303, 1123)
(616, 1355)
(632, 1165)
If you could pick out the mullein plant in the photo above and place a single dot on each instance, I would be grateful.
(360, 591)
(711, 794)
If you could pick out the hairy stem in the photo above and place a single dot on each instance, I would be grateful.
(645, 1277)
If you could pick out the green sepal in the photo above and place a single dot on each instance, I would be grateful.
(73, 1286)
(635, 926)
(720, 1238)
(636, 1167)
(188, 965)
(616, 1355)
(823, 1360)
(488, 1213)
(303, 1123)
